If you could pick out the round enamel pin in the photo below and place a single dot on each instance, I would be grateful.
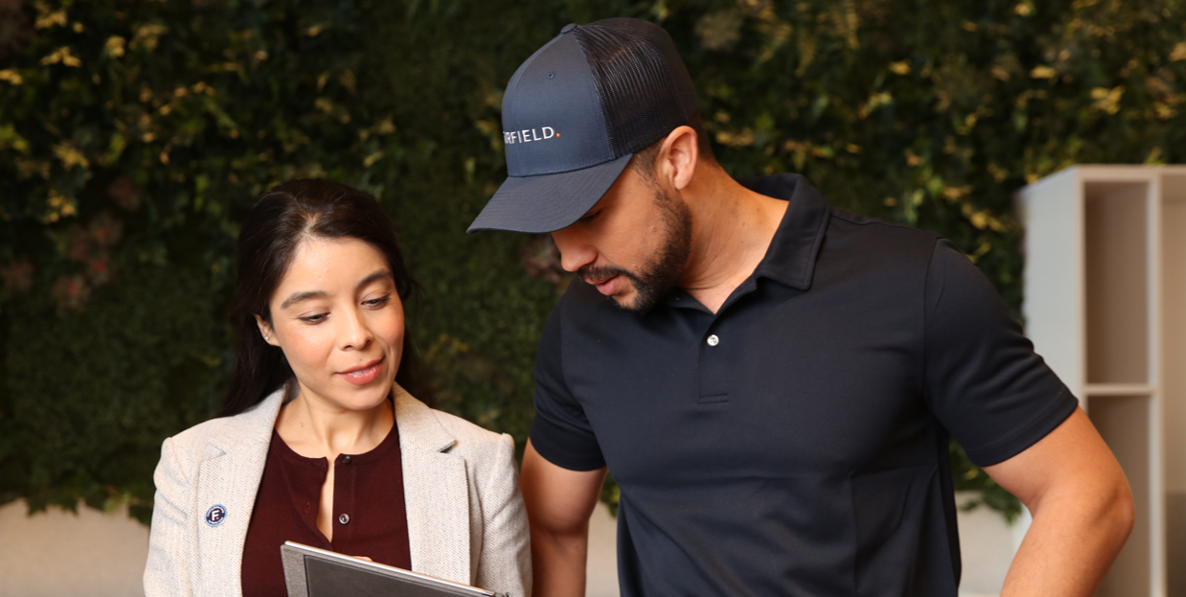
(215, 515)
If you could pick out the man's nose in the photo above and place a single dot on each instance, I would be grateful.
(575, 251)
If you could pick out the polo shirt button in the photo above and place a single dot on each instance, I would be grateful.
(713, 340)
(344, 518)
(345, 460)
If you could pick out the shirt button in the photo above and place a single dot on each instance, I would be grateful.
(713, 340)
(344, 518)
(345, 460)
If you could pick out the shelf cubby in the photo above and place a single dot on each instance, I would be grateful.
(1117, 281)
(1122, 421)
(1105, 305)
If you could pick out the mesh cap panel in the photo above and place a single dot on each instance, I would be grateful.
(576, 111)
(642, 84)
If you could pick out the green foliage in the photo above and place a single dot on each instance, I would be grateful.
(94, 391)
(133, 153)
(134, 136)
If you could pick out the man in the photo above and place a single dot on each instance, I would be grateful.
(771, 381)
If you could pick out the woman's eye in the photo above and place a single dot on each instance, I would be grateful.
(318, 318)
(378, 302)
(589, 218)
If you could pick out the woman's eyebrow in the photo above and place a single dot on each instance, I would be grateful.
(377, 275)
(297, 297)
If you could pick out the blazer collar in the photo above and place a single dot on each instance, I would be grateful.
(418, 424)
(436, 493)
(253, 428)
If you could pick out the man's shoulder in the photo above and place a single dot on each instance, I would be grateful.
(844, 221)
(877, 244)
(811, 215)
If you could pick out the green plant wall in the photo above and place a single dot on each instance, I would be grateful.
(135, 135)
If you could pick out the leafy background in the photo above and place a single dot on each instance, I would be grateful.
(134, 135)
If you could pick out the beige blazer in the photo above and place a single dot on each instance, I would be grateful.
(466, 521)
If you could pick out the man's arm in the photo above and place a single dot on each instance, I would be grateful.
(1082, 508)
(559, 504)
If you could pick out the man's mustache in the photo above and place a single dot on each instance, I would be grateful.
(596, 275)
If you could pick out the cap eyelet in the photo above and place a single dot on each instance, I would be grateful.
(551, 75)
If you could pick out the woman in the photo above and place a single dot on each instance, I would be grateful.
(320, 441)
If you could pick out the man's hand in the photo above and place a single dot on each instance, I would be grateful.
(1082, 508)
(559, 504)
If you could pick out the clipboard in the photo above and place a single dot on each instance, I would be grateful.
(313, 572)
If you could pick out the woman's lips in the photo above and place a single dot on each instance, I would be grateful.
(363, 374)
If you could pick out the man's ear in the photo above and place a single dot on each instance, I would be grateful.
(265, 330)
(678, 157)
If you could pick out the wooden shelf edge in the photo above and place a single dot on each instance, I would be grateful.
(1117, 389)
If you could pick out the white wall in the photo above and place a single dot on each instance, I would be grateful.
(62, 554)
(601, 574)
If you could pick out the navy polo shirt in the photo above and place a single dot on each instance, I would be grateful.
(795, 442)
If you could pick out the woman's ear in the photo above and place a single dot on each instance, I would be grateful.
(265, 330)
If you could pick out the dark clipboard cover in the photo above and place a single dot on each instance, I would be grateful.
(313, 572)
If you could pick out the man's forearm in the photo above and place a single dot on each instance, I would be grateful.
(558, 563)
(559, 502)
(1082, 506)
(1070, 545)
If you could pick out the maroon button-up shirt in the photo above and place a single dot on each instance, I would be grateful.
(369, 516)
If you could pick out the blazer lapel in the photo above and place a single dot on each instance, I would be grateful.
(436, 493)
(227, 485)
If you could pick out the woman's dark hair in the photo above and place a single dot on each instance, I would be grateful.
(273, 229)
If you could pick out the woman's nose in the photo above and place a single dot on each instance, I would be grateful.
(353, 332)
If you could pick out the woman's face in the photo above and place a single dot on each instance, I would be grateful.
(338, 318)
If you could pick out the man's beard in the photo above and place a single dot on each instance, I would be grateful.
(661, 275)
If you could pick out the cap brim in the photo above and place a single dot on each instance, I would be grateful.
(548, 202)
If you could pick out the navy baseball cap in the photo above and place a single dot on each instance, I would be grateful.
(574, 114)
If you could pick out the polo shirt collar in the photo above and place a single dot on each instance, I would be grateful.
(790, 259)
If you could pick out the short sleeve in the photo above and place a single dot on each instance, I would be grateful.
(982, 378)
(561, 432)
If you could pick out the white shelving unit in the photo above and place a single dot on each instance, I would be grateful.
(1105, 305)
